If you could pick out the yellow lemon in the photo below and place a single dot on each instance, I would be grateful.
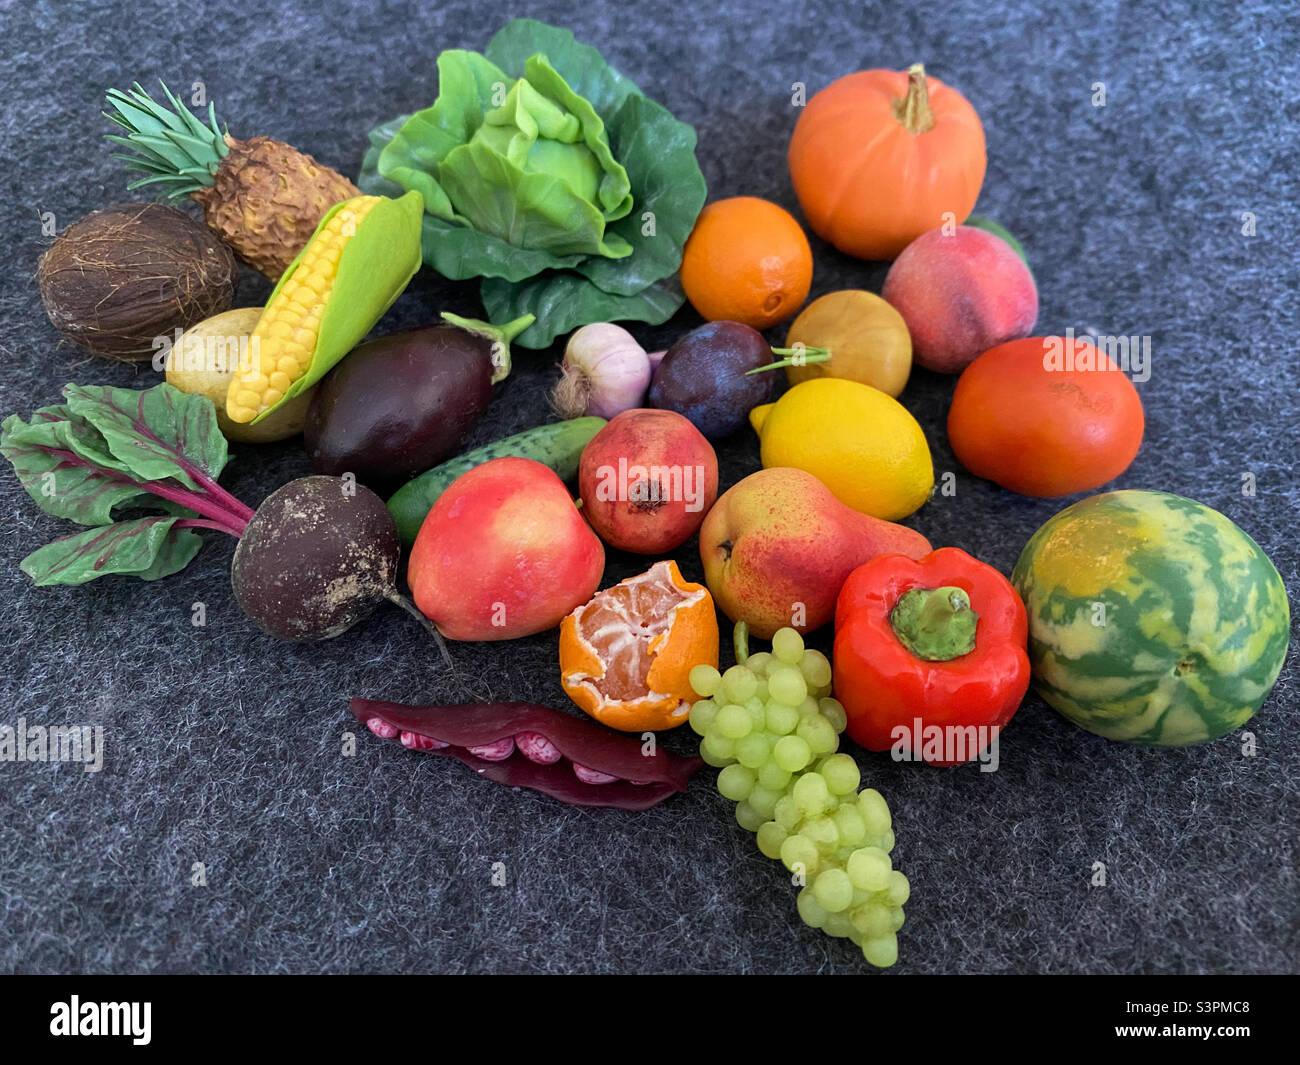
(862, 444)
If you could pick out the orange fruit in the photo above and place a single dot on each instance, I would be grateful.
(626, 656)
(747, 260)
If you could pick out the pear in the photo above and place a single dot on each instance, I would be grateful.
(778, 546)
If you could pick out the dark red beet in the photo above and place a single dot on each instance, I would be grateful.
(399, 405)
(317, 557)
(580, 741)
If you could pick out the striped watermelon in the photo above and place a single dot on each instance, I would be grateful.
(1152, 618)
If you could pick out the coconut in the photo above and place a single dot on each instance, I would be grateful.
(119, 279)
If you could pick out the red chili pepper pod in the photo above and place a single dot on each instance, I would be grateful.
(939, 641)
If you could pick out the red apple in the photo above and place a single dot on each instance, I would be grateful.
(503, 553)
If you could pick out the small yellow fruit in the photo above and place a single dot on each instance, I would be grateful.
(862, 444)
(868, 340)
(206, 359)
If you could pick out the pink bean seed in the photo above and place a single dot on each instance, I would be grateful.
(592, 776)
(494, 752)
(537, 748)
(381, 728)
(417, 742)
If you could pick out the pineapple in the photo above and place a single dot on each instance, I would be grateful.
(262, 197)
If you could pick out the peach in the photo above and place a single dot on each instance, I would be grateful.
(961, 292)
(503, 553)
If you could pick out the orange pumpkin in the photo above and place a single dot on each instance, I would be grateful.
(881, 156)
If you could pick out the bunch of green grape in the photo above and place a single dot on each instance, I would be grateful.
(771, 728)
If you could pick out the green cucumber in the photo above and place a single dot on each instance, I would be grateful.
(558, 446)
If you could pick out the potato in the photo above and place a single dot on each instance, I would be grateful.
(205, 359)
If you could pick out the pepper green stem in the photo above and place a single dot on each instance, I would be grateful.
(935, 624)
(740, 639)
(499, 335)
(798, 356)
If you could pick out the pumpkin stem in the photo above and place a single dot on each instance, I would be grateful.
(913, 110)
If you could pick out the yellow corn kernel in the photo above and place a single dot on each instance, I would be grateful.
(288, 328)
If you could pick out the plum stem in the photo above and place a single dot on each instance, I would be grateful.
(798, 356)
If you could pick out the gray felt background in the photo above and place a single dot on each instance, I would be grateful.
(224, 745)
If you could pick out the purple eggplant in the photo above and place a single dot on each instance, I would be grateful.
(400, 404)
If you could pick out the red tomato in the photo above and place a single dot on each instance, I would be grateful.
(1043, 420)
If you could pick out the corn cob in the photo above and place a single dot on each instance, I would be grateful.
(356, 263)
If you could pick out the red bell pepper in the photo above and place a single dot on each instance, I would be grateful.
(938, 641)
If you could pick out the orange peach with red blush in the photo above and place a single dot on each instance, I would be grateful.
(961, 291)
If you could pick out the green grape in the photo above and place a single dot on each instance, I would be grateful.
(800, 850)
(817, 733)
(872, 920)
(810, 791)
(719, 747)
(887, 840)
(772, 776)
(791, 753)
(869, 869)
(896, 918)
(816, 670)
(761, 692)
(875, 811)
(705, 679)
(882, 951)
(833, 890)
(841, 773)
(787, 646)
(759, 663)
(757, 713)
(736, 782)
(809, 707)
(779, 719)
(712, 759)
(899, 889)
(702, 716)
(838, 925)
(770, 837)
(787, 812)
(764, 800)
(848, 819)
(733, 722)
(822, 831)
(811, 912)
(739, 684)
(754, 750)
(747, 817)
(786, 685)
(833, 711)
